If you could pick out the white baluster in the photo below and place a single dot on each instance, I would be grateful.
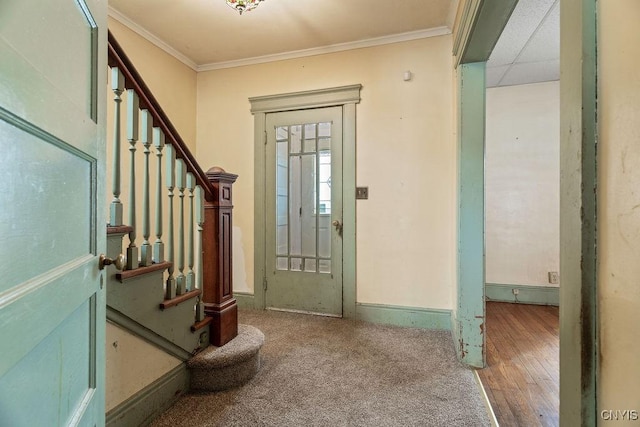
(200, 221)
(170, 290)
(191, 277)
(181, 182)
(158, 246)
(199, 214)
(115, 208)
(146, 137)
(133, 112)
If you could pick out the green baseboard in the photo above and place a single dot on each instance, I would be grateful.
(540, 295)
(244, 300)
(147, 404)
(413, 317)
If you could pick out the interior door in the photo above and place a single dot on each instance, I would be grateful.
(52, 223)
(304, 211)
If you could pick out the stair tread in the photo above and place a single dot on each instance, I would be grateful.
(119, 229)
(199, 325)
(180, 298)
(128, 274)
(241, 348)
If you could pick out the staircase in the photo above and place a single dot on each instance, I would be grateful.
(175, 288)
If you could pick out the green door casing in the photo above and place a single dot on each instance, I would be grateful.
(52, 213)
(304, 211)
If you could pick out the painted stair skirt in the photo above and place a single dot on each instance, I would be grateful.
(232, 365)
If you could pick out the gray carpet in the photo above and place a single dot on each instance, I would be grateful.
(319, 371)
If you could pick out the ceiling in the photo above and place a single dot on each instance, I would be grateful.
(528, 50)
(207, 34)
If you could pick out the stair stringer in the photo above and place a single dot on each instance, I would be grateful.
(134, 304)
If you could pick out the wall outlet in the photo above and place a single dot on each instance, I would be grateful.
(515, 291)
(554, 277)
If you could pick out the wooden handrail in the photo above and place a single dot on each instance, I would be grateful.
(133, 80)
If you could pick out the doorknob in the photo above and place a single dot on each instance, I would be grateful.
(338, 225)
(118, 262)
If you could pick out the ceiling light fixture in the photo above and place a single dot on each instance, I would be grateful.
(244, 5)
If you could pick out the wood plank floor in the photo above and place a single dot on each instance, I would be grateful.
(522, 374)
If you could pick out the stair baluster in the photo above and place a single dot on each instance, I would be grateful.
(133, 112)
(158, 246)
(146, 138)
(191, 277)
(170, 290)
(181, 183)
(115, 208)
(199, 214)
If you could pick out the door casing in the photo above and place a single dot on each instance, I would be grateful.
(345, 97)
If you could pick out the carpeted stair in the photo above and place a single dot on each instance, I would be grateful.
(232, 365)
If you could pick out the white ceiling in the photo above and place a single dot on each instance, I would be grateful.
(528, 50)
(207, 34)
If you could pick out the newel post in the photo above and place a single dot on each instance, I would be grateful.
(217, 286)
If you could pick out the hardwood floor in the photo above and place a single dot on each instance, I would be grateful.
(522, 374)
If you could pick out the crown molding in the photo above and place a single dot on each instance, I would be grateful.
(152, 38)
(340, 47)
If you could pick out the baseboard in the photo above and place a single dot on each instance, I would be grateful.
(147, 404)
(540, 295)
(244, 300)
(414, 317)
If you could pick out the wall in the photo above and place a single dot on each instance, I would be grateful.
(618, 206)
(405, 155)
(522, 173)
(132, 364)
(171, 82)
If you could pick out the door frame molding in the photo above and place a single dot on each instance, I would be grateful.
(343, 96)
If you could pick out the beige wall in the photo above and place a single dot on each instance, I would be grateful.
(522, 212)
(405, 155)
(619, 205)
(171, 82)
(132, 364)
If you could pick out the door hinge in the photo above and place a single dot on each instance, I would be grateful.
(265, 137)
(264, 283)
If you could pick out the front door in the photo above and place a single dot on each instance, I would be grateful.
(304, 211)
(52, 223)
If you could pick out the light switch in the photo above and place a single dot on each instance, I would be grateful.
(362, 193)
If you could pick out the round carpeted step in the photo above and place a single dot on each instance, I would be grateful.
(232, 365)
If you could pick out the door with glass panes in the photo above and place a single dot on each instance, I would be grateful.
(304, 211)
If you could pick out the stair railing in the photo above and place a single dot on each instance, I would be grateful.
(203, 199)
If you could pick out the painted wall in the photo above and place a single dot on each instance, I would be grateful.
(619, 206)
(132, 364)
(405, 155)
(522, 172)
(172, 82)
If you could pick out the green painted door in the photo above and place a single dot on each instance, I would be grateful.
(52, 223)
(304, 211)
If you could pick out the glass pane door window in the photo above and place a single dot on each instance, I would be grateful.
(303, 197)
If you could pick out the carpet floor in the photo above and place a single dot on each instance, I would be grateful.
(321, 371)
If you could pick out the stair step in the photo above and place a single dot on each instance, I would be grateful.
(119, 229)
(199, 325)
(180, 298)
(232, 365)
(128, 274)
